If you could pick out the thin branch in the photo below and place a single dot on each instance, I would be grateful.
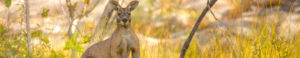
(211, 11)
(89, 9)
(8, 16)
(187, 42)
(29, 47)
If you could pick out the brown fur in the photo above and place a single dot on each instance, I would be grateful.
(123, 40)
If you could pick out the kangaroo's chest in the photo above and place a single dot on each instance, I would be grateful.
(126, 39)
(125, 44)
(126, 36)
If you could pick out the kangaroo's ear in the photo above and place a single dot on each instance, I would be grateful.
(132, 5)
(115, 4)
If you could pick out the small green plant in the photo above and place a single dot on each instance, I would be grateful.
(45, 12)
(8, 3)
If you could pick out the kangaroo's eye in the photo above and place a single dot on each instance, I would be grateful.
(129, 13)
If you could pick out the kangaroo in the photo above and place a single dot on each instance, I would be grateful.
(123, 40)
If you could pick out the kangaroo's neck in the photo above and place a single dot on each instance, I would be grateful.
(123, 32)
(122, 29)
(120, 26)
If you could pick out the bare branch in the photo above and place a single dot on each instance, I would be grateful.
(89, 9)
(211, 11)
(29, 47)
(187, 42)
(8, 16)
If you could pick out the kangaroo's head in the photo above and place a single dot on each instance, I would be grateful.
(124, 14)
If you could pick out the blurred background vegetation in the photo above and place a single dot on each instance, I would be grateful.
(243, 28)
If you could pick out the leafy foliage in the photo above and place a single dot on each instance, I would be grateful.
(2, 30)
(45, 12)
(8, 3)
(73, 44)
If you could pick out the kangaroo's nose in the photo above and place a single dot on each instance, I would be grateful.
(125, 20)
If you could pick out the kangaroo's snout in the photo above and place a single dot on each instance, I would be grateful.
(125, 20)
